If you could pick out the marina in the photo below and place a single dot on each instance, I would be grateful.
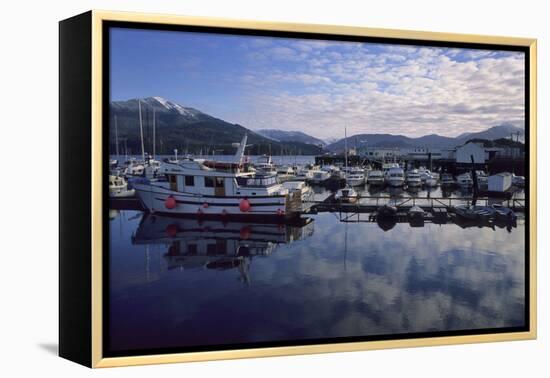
(313, 216)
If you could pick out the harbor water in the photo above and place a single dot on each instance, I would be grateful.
(184, 282)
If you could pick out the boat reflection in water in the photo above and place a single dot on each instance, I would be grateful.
(196, 244)
(177, 282)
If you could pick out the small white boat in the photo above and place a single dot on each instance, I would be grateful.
(320, 176)
(304, 173)
(355, 177)
(118, 188)
(134, 168)
(375, 177)
(413, 178)
(300, 186)
(265, 165)
(395, 177)
(346, 194)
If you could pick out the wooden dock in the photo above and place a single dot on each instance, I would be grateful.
(370, 204)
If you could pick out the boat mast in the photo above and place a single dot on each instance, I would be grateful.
(346, 147)
(116, 136)
(141, 132)
(154, 133)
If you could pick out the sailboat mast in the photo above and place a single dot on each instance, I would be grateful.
(141, 132)
(154, 133)
(116, 136)
(346, 146)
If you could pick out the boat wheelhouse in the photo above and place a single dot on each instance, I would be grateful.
(118, 187)
(265, 165)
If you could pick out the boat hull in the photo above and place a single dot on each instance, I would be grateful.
(154, 200)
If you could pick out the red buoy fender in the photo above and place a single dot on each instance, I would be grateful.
(170, 203)
(244, 205)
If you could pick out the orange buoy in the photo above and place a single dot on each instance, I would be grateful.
(244, 205)
(170, 203)
(205, 205)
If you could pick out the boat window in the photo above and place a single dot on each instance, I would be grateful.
(209, 182)
(189, 180)
(219, 182)
(192, 249)
(211, 249)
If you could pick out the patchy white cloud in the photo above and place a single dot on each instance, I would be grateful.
(321, 86)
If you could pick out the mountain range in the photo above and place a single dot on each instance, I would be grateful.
(429, 141)
(291, 136)
(191, 131)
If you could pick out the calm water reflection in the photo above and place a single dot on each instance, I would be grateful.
(180, 282)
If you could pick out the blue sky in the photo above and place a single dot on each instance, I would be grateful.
(320, 87)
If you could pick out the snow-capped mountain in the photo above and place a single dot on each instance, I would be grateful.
(188, 129)
(160, 104)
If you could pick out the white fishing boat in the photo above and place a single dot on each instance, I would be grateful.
(413, 179)
(265, 165)
(285, 173)
(304, 173)
(395, 177)
(213, 188)
(375, 177)
(300, 186)
(118, 188)
(134, 167)
(355, 177)
(320, 176)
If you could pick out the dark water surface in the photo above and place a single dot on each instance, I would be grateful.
(178, 283)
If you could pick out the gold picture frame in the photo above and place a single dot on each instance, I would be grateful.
(93, 24)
